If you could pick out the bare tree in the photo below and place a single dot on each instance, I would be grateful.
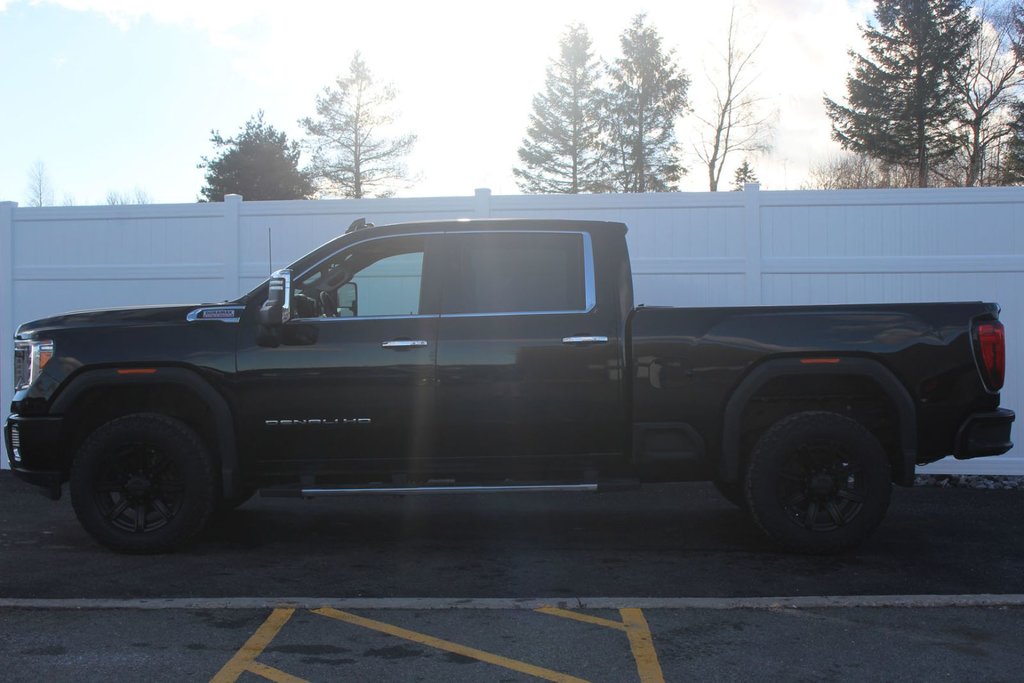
(994, 73)
(848, 171)
(136, 196)
(733, 122)
(40, 187)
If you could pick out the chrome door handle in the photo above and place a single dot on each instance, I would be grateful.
(585, 340)
(403, 343)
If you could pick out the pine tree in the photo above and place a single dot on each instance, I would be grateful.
(561, 152)
(743, 175)
(259, 163)
(648, 95)
(1013, 170)
(350, 157)
(901, 105)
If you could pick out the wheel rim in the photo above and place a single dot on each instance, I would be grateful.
(139, 489)
(821, 486)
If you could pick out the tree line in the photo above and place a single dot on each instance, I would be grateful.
(934, 101)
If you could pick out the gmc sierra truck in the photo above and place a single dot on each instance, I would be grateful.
(495, 356)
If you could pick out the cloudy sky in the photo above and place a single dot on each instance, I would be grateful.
(113, 95)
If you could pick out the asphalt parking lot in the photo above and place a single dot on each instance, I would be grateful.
(666, 583)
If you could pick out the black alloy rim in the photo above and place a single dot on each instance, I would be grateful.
(821, 488)
(139, 490)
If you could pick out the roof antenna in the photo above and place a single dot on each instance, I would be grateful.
(270, 252)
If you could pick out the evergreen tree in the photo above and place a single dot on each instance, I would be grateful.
(901, 105)
(350, 156)
(648, 95)
(561, 152)
(743, 175)
(259, 163)
(1013, 171)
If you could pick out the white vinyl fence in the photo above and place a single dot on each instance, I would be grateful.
(699, 249)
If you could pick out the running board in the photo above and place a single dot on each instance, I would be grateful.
(438, 490)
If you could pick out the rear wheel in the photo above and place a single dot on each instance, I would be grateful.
(818, 482)
(143, 483)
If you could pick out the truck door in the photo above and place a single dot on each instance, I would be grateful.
(528, 366)
(351, 387)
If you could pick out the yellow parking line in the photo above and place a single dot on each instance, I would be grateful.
(245, 659)
(448, 646)
(578, 616)
(641, 644)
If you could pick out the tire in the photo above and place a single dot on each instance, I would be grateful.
(143, 483)
(732, 492)
(818, 482)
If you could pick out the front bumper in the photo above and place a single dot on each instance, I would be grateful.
(984, 434)
(34, 451)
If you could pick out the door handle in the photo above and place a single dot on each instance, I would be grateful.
(588, 339)
(403, 343)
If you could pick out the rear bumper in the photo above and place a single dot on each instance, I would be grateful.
(34, 451)
(984, 434)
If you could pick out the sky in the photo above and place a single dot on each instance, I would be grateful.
(119, 95)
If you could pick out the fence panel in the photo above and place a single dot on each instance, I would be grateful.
(693, 249)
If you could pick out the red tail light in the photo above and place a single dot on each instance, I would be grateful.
(992, 347)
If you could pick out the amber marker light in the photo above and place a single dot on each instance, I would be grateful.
(136, 371)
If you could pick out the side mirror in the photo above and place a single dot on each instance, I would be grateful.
(276, 310)
(348, 299)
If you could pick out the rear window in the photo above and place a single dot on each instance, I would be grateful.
(514, 273)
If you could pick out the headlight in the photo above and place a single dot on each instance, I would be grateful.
(29, 358)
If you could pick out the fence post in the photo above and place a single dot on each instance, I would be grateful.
(6, 314)
(482, 203)
(754, 289)
(232, 245)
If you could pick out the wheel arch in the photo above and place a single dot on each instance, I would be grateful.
(211, 414)
(866, 369)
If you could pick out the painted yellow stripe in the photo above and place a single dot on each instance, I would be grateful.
(245, 659)
(585, 618)
(448, 646)
(273, 674)
(642, 645)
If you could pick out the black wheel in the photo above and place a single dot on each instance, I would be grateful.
(732, 492)
(818, 482)
(143, 483)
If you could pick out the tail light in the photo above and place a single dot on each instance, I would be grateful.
(992, 352)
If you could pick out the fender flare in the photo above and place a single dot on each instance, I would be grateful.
(214, 401)
(729, 463)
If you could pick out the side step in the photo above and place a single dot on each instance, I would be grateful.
(440, 490)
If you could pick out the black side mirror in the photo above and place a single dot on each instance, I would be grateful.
(276, 310)
(348, 299)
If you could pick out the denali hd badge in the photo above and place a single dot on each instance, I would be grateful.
(319, 421)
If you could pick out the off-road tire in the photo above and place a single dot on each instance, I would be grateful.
(818, 482)
(143, 483)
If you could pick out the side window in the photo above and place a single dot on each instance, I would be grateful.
(380, 277)
(514, 273)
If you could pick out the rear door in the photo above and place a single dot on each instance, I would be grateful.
(528, 364)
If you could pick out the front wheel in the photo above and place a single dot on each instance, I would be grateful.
(143, 483)
(818, 482)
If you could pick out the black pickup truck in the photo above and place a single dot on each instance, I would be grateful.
(495, 356)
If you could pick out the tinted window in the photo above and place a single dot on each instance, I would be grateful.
(511, 273)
